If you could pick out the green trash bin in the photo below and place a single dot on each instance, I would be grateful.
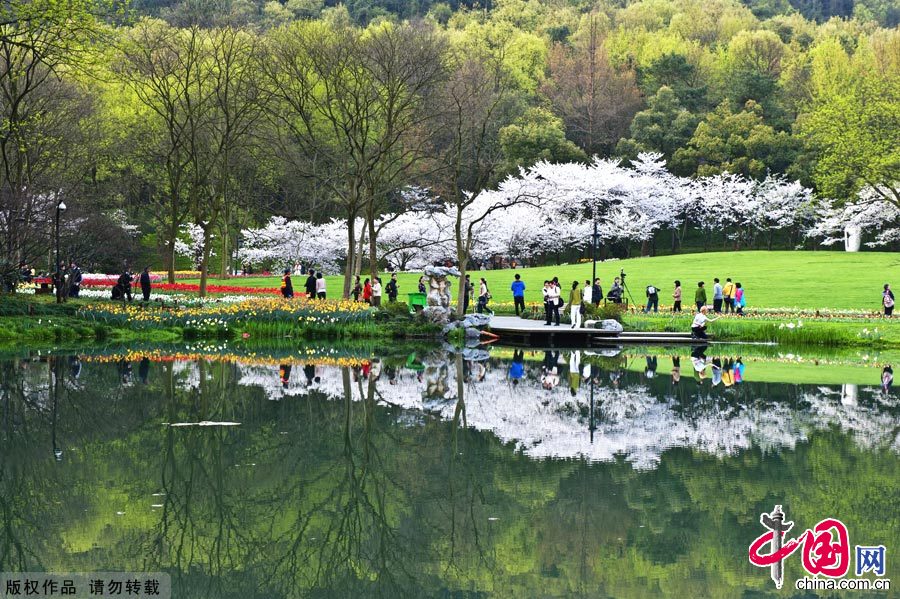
(417, 301)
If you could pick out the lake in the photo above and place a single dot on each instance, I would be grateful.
(329, 471)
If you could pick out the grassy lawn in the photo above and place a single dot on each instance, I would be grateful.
(809, 280)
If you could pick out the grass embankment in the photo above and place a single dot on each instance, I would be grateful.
(38, 320)
(789, 279)
(793, 332)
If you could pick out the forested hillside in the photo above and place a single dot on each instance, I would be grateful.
(151, 117)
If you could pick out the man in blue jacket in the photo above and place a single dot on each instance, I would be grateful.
(518, 291)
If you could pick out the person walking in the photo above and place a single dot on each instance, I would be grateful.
(652, 299)
(518, 291)
(554, 300)
(887, 301)
(367, 292)
(357, 289)
(676, 297)
(728, 295)
(698, 327)
(376, 292)
(717, 296)
(740, 299)
(575, 306)
(320, 286)
(391, 288)
(287, 286)
(700, 296)
(145, 283)
(596, 292)
(310, 286)
(615, 292)
(484, 296)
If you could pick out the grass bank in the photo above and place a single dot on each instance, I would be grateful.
(38, 319)
(809, 280)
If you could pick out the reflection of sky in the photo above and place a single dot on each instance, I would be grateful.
(630, 421)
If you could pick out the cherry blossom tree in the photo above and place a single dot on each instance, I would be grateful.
(870, 213)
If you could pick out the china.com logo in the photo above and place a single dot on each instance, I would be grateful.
(826, 553)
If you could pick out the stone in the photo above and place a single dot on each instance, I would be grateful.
(610, 325)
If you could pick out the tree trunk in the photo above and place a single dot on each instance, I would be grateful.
(204, 261)
(461, 252)
(170, 249)
(357, 261)
(351, 249)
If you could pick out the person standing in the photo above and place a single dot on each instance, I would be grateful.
(391, 288)
(518, 291)
(357, 289)
(367, 292)
(554, 300)
(287, 286)
(615, 292)
(320, 286)
(887, 300)
(545, 293)
(652, 299)
(145, 283)
(587, 295)
(698, 327)
(700, 296)
(575, 306)
(740, 300)
(376, 292)
(422, 281)
(310, 286)
(717, 296)
(597, 292)
(467, 293)
(75, 278)
(676, 297)
(728, 295)
(484, 296)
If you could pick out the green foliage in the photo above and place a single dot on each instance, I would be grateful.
(665, 126)
(736, 142)
(538, 135)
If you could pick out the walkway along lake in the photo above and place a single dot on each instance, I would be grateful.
(427, 473)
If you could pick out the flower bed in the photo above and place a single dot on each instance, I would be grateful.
(222, 317)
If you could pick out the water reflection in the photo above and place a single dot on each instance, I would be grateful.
(431, 472)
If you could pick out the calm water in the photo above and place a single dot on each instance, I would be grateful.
(423, 473)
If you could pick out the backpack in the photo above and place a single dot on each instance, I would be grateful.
(888, 300)
(651, 290)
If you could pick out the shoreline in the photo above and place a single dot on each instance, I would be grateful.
(24, 319)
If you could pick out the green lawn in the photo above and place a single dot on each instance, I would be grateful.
(799, 279)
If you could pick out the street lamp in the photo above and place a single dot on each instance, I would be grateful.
(594, 239)
(59, 208)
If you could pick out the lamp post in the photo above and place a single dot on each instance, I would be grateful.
(594, 239)
(59, 208)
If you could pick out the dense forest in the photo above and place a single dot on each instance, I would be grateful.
(150, 117)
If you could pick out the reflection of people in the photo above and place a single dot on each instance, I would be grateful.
(284, 374)
(75, 365)
(728, 372)
(887, 378)
(125, 370)
(574, 372)
(716, 371)
(698, 359)
(144, 369)
(738, 371)
(550, 374)
(652, 365)
(676, 369)
(309, 371)
(517, 367)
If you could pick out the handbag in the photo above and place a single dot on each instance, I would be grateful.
(581, 309)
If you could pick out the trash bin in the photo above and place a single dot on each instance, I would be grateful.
(417, 301)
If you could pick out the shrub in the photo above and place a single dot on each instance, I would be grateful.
(605, 311)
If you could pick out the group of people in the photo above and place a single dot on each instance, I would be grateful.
(315, 286)
(122, 289)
